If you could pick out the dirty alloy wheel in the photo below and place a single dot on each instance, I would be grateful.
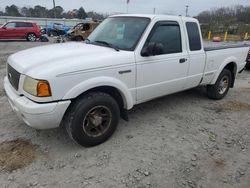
(92, 118)
(220, 89)
(31, 37)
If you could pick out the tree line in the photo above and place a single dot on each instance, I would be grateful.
(57, 12)
(235, 19)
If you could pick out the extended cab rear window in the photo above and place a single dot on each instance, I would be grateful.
(193, 36)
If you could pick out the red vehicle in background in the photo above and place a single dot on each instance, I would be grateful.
(20, 30)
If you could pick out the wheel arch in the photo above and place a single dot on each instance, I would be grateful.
(111, 86)
(229, 64)
(232, 67)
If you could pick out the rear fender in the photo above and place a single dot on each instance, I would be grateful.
(222, 66)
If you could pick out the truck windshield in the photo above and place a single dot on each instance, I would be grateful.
(120, 32)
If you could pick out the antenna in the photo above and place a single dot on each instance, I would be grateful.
(54, 5)
(187, 10)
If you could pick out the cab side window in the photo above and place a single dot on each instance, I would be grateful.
(193, 36)
(10, 25)
(86, 27)
(23, 24)
(168, 36)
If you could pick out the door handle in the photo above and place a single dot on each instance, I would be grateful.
(124, 71)
(182, 60)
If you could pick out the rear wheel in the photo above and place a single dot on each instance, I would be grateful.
(221, 86)
(31, 37)
(92, 119)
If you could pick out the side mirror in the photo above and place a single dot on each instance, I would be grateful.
(4, 27)
(152, 49)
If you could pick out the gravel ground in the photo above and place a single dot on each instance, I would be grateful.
(182, 140)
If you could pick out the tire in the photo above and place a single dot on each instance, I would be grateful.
(31, 37)
(44, 39)
(248, 66)
(92, 119)
(78, 38)
(49, 33)
(220, 89)
(53, 33)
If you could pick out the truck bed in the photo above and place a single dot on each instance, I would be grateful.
(219, 55)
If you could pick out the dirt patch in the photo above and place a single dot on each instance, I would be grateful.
(235, 106)
(245, 89)
(16, 154)
(232, 106)
(2, 93)
(219, 162)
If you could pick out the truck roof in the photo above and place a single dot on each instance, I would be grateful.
(152, 16)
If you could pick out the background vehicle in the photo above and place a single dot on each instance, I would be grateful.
(20, 30)
(127, 60)
(82, 30)
(56, 29)
(248, 60)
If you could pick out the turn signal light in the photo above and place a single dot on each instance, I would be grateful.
(43, 89)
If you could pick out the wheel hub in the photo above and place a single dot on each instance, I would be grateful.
(223, 85)
(97, 121)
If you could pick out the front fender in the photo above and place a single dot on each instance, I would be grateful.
(222, 66)
(98, 82)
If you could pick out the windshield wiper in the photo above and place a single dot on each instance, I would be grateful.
(108, 44)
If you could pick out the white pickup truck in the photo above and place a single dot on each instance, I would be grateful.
(129, 59)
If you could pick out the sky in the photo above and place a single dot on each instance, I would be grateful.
(175, 7)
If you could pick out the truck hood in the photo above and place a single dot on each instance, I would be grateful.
(66, 57)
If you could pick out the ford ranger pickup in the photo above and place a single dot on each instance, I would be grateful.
(129, 59)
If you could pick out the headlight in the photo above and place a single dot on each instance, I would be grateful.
(38, 88)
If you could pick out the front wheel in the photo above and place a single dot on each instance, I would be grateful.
(92, 119)
(220, 89)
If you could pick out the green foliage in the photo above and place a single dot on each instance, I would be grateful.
(234, 19)
(81, 14)
(12, 10)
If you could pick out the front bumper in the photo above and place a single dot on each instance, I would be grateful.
(38, 116)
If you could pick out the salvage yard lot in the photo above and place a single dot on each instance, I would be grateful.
(181, 140)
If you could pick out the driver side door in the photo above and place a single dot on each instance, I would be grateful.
(166, 72)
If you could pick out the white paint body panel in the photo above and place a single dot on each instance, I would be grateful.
(73, 68)
(216, 61)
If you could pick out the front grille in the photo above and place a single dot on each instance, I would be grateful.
(13, 76)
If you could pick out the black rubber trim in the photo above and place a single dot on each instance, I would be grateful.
(49, 101)
(213, 48)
